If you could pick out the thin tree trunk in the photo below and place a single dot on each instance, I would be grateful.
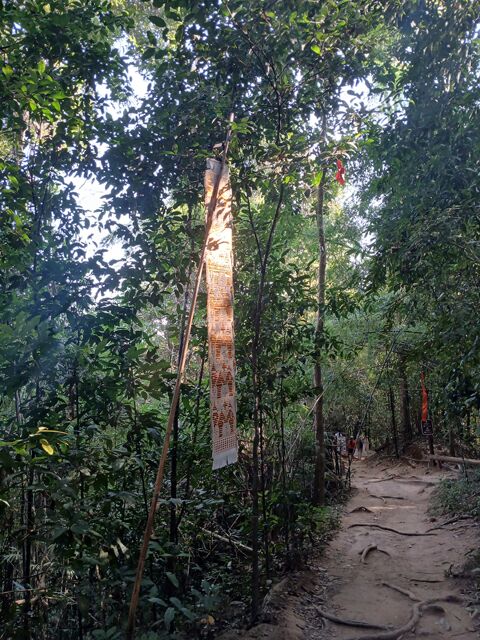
(173, 528)
(404, 401)
(286, 502)
(173, 534)
(30, 474)
(27, 568)
(173, 489)
(255, 465)
(175, 434)
(76, 415)
(431, 448)
(391, 398)
(451, 440)
(18, 410)
(256, 384)
(191, 460)
(319, 421)
(138, 438)
(8, 575)
(263, 487)
(174, 450)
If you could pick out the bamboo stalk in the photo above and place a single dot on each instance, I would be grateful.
(130, 632)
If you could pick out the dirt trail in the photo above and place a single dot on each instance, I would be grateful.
(343, 585)
(418, 564)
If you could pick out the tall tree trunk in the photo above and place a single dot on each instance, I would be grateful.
(266, 528)
(431, 448)
(174, 449)
(8, 571)
(173, 489)
(171, 561)
(27, 567)
(451, 439)
(256, 390)
(404, 401)
(255, 510)
(196, 419)
(39, 207)
(319, 422)
(286, 502)
(173, 528)
(391, 399)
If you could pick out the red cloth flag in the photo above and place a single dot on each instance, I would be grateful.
(424, 398)
(340, 175)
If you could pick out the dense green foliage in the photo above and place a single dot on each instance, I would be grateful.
(89, 345)
(425, 217)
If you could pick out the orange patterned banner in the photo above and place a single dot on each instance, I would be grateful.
(221, 348)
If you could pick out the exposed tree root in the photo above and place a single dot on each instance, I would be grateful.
(410, 464)
(409, 594)
(382, 479)
(427, 483)
(393, 497)
(400, 533)
(417, 611)
(372, 495)
(366, 551)
(371, 547)
(349, 623)
(362, 508)
(429, 580)
(451, 521)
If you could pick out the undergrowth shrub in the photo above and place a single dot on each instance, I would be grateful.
(460, 496)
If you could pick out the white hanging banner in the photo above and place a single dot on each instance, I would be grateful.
(221, 347)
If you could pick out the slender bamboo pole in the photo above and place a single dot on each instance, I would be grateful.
(318, 496)
(130, 633)
(391, 399)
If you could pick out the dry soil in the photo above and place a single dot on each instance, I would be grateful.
(339, 583)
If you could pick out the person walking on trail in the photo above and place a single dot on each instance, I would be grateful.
(366, 446)
(359, 451)
(351, 448)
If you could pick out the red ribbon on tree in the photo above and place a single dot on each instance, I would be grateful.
(424, 398)
(340, 175)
